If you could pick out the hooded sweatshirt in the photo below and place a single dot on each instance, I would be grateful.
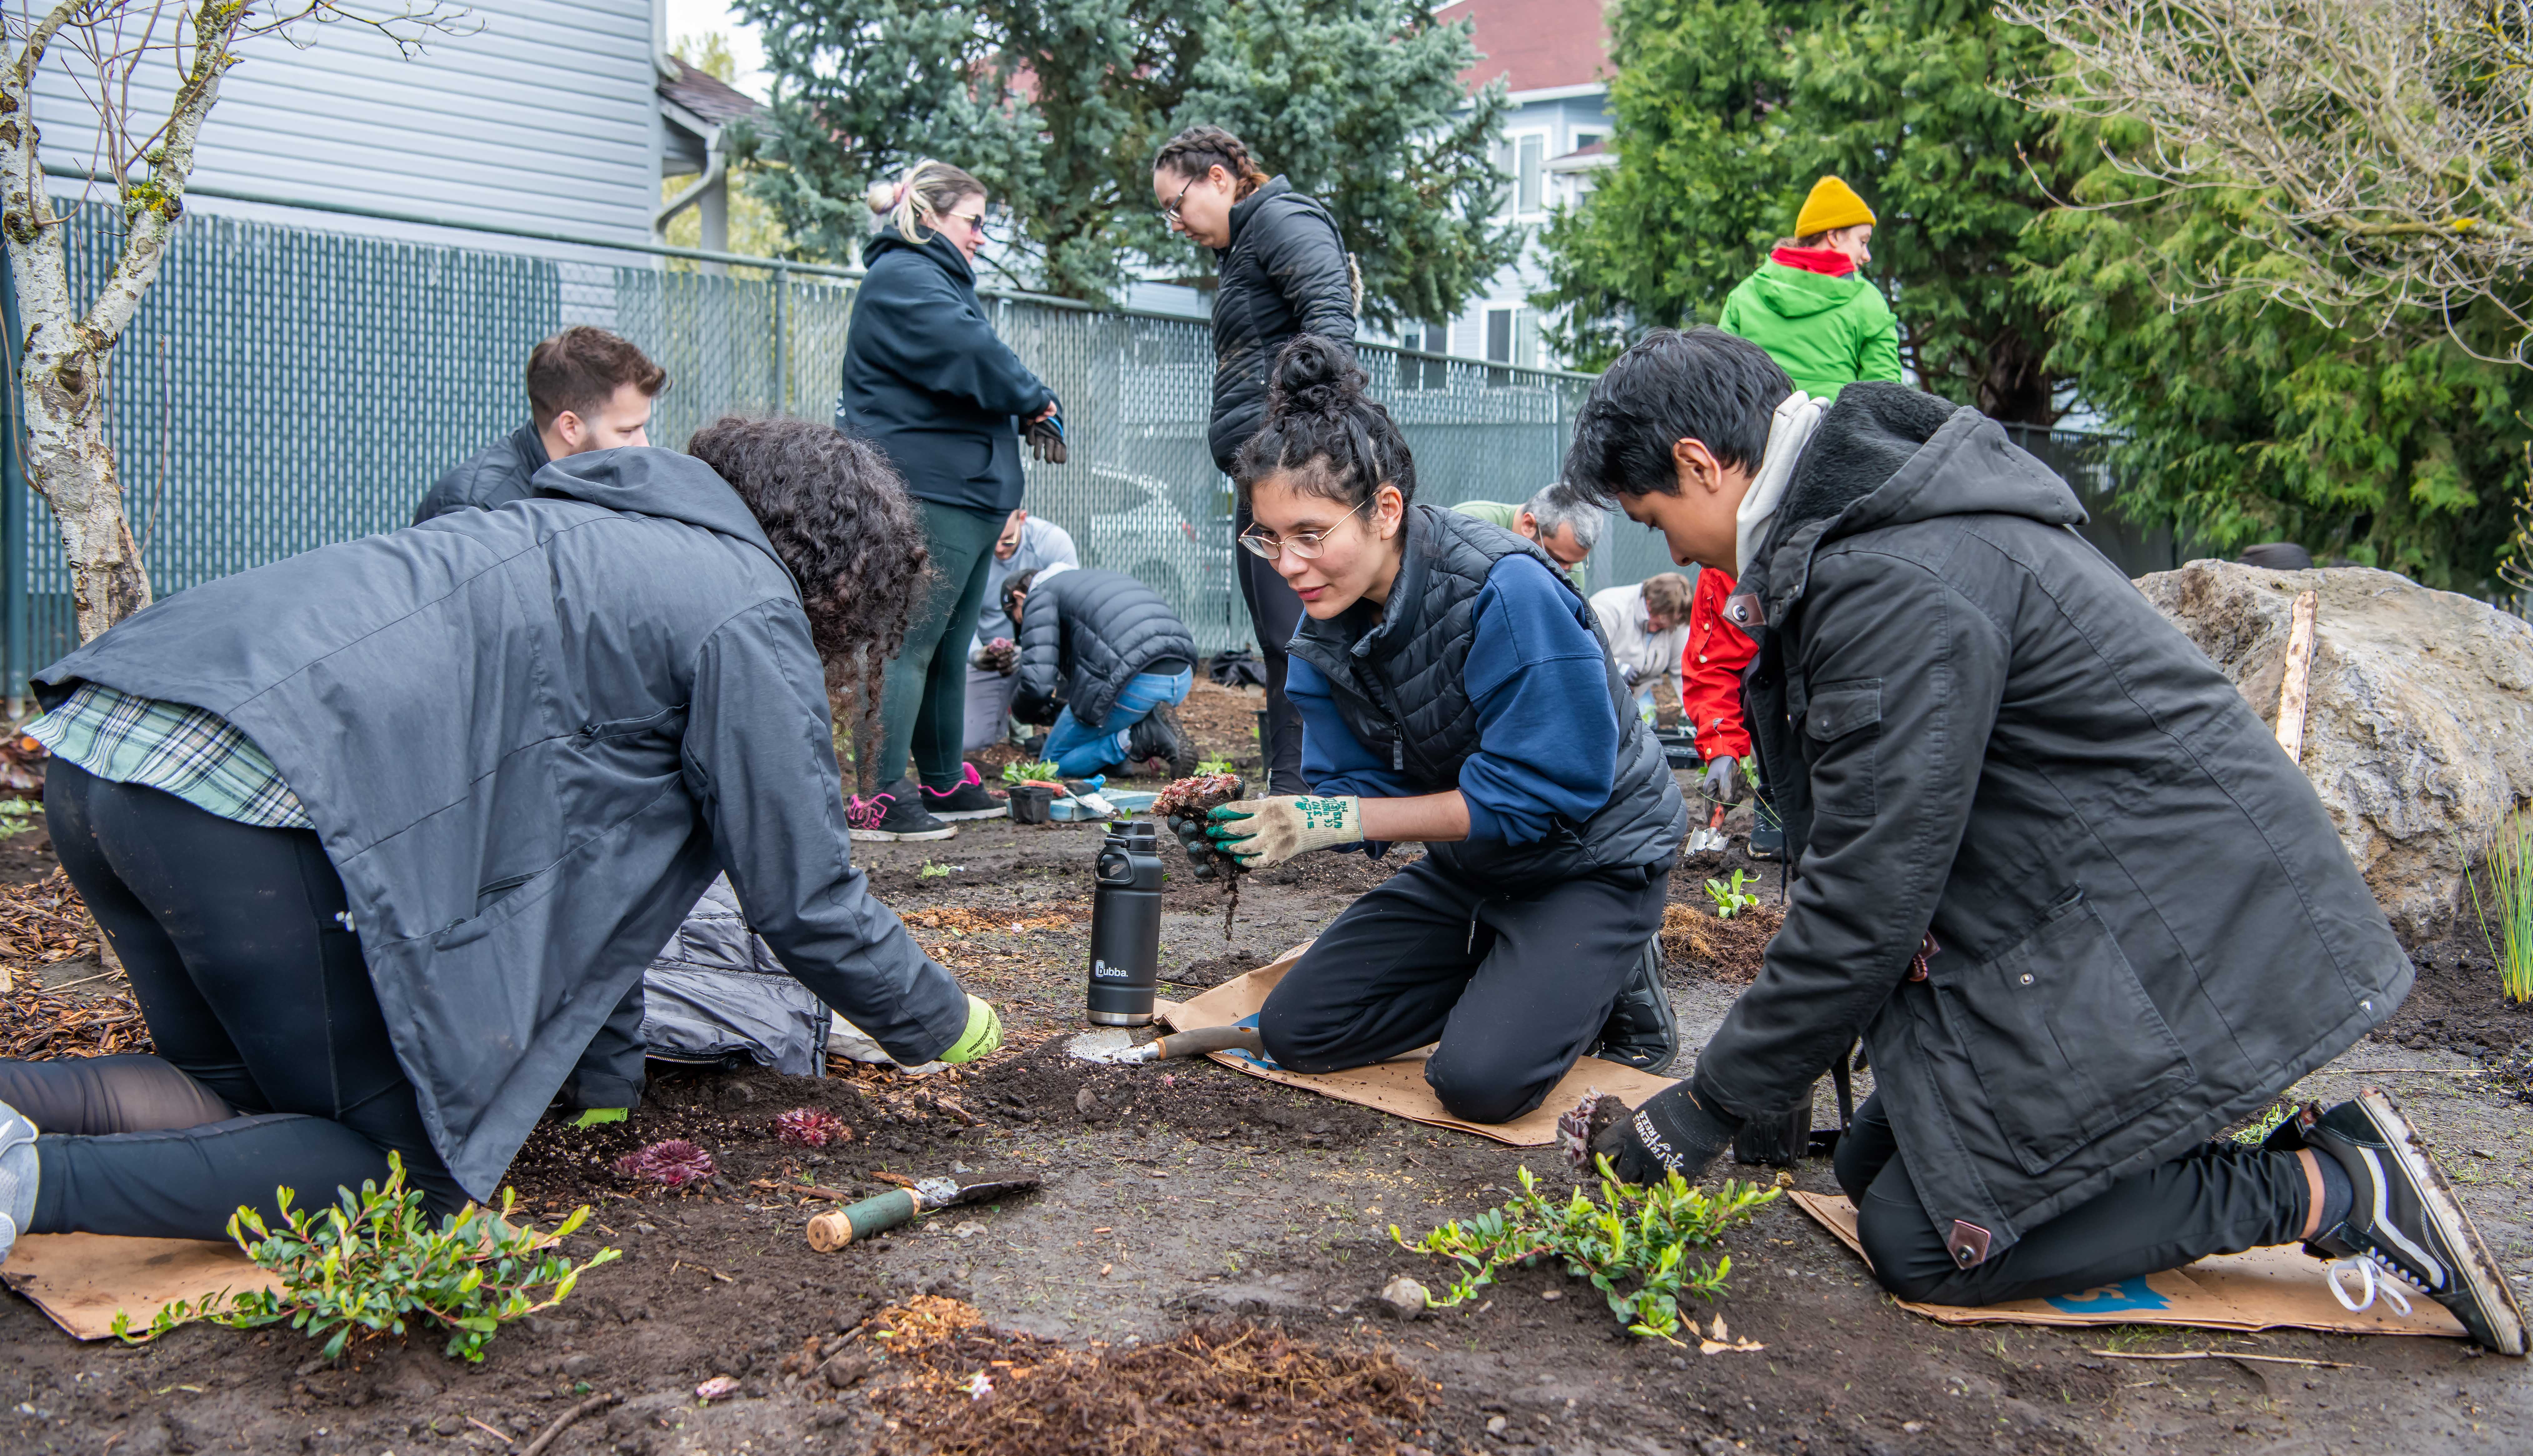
(528, 738)
(1823, 331)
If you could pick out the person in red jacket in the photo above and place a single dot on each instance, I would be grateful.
(1710, 692)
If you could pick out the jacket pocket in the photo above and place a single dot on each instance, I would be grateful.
(1843, 776)
(2066, 1044)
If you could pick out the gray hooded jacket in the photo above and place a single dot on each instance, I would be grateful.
(528, 737)
(2143, 924)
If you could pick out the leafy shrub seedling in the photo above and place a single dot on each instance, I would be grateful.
(2509, 871)
(1729, 899)
(18, 815)
(1214, 765)
(1639, 1234)
(1038, 771)
(373, 1261)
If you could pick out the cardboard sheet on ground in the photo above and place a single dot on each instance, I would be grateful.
(1396, 1087)
(81, 1279)
(2278, 1288)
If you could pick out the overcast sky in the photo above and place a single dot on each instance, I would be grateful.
(696, 16)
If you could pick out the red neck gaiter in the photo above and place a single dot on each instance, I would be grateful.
(1827, 260)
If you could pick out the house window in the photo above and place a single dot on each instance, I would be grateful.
(1585, 138)
(1499, 335)
(1530, 173)
(1426, 374)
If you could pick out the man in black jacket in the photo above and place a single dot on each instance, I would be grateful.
(2054, 869)
(588, 389)
(1118, 659)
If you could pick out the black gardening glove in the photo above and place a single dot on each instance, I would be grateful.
(1047, 440)
(1717, 782)
(1673, 1131)
(1199, 850)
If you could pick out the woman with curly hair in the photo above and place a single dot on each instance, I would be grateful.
(382, 832)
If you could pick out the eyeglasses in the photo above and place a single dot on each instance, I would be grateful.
(1305, 546)
(1170, 208)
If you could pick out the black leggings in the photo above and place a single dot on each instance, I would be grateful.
(274, 1065)
(2218, 1198)
(1274, 612)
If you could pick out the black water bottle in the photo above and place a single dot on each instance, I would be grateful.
(1126, 927)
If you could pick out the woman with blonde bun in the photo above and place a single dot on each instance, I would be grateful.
(927, 380)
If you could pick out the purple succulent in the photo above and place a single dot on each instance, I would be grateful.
(675, 1162)
(807, 1127)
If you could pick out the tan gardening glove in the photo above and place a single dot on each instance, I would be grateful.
(1260, 831)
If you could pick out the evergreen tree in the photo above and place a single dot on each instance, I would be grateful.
(2243, 419)
(1728, 110)
(1058, 106)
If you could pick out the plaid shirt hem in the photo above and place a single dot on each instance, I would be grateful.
(197, 756)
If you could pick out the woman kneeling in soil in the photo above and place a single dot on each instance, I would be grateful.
(381, 832)
(1454, 690)
(2054, 869)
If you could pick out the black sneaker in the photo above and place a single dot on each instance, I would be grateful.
(895, 813)
(1158, 743)
(968, 800)
(1767, 833)
(1642, 1032)
(2404, 1226)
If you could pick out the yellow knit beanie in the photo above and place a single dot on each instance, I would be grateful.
(1832, 205)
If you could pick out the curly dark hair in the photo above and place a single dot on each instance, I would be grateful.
(839, 517)
(1322, 429)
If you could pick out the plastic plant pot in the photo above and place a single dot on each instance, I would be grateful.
(1031, 803)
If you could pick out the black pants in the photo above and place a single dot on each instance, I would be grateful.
(1275, 611)
(274, 1065)
(2220, 1198)
(1515, 989)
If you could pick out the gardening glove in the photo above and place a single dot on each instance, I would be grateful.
(1199, 850)
(1260, 831)
(984, 1033)
(1719, 781)
(1673, 1131)
(1047, 440)
(593, 1116)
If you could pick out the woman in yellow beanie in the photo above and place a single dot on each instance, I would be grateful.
(1810, 309)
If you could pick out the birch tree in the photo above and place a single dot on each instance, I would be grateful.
(118, 54)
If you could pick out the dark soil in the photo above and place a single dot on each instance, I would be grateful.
(1179, 1195)
(2458, 1005)
(1695, 941)
(27, 856)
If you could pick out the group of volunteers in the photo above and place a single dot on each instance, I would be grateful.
(386, 833)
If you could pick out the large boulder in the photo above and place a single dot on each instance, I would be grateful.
(2418, 729)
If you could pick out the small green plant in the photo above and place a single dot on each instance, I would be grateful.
(1729, 899)
(1022, 773)
(930, 871)
(373, 1261)
(1206, 768)
(18, 815)
(1642, 1235)
(2509, 867)
(2265, 1123)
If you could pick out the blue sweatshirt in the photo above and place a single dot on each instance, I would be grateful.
(1548, 738)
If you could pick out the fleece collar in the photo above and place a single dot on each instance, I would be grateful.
(1789, 431)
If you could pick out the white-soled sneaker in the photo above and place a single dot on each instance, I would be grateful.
(18, 1172)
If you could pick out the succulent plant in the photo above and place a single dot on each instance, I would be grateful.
(807, 1127)
(675, 1163)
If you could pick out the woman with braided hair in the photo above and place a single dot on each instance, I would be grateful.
(1454, 690)
(1282, 271)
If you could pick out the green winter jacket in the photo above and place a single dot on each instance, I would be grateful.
(1823, 331)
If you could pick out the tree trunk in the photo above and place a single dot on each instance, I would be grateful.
(67, 451)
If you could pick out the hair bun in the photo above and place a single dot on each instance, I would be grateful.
(1315, 375)
(882, 196)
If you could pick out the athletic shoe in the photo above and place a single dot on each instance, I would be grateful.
(1767, 833)
(1158, 743)
(968, 800)
(895, 813)
(2404, 1226)
(16, 1177)
(1642, 1030)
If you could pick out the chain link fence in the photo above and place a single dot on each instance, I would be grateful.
(286, 386)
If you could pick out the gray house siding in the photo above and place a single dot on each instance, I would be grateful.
(544, 117)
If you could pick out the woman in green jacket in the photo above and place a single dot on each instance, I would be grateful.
(1810, 309)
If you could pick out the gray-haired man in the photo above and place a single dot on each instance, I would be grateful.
(1565, 525)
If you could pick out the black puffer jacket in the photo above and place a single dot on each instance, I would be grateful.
(1090, 632)
(2143, 924)
(1284, 273)
(1402, 688)
(495, 476)
(928, 380)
